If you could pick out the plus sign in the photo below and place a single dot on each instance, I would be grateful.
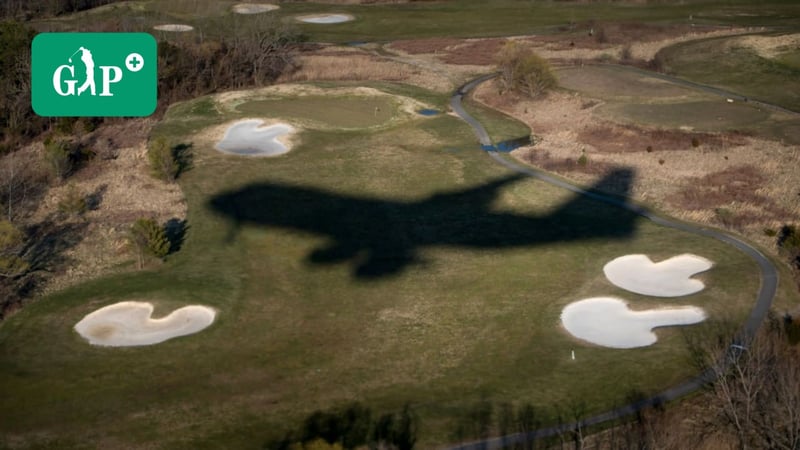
(134, 62)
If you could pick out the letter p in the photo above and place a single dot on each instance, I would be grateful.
(107, 80)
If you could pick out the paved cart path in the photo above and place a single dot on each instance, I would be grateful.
(763, 300)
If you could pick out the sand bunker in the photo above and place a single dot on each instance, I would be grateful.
(173, 27)
(668, 278)
(253, 8)
(249, 138)
(325, 18)
(128, 324)
(608, 322)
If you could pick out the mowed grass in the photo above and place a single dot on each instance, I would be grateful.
(620, 85)
(458, 18)
(499, 126)
(472, 315)
(634, 97)
(715, 115)
(327, 112)
(738, 69)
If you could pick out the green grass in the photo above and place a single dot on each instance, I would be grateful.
(717, 115)
(327, 112)
(462, 18)
(633, 97)
(790, 59)
(617, 84)
(738, 69)
(459, 325)
(499, 126)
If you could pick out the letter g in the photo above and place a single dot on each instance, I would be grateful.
(70, 83)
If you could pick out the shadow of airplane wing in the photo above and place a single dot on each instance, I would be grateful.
(381, 237)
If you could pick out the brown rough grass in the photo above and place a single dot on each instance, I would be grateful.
(126, 192)
(422, 46)
(356, 66)
(614, 138)
(474, 52)
(735, 181)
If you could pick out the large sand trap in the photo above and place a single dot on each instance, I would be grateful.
(128, 324)
(249, 138)
(173, 27)
(325, 18)
(668, 278)
(607, 321)
(253, 8)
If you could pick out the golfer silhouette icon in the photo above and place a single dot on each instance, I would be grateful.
(86, 57)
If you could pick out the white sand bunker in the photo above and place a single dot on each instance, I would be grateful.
(668, 278)
(249, 138)
(173, 27)
(128, 324)
(325, 18)
(608, 322)
(253, 8)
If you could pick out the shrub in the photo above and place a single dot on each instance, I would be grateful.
(627, 53)
(649, 149)
(770, 232)
(163, 163)
(64, 158)
(792, 329)
(65, 125)
(11, 243)
(695, 142)
(659, 62)
(524, 71)
(148, 239)
(73, 202)
(582, 160)
(661, 161)
(789, 238)
(58, 154)
(725, 216)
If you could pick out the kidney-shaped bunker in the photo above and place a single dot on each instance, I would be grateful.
(249, 138)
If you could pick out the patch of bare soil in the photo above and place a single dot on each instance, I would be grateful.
(735, 181)
(119, 189)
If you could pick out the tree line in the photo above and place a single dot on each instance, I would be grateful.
(26, 9)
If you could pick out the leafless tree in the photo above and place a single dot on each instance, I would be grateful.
(755, 393)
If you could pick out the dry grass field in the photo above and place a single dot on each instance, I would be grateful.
(732, 179)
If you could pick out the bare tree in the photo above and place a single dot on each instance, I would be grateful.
(19, 183)
(755, 393)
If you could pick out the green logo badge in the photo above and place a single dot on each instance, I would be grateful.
(94, 74)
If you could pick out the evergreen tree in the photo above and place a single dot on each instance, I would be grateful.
(149, 238)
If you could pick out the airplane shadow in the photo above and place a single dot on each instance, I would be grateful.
(381, 237)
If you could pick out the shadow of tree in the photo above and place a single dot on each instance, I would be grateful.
(49, 240)
(183, 157)
(381, 237)
(175, 229)
(353, 426)
(94, 199)
(44, 252)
